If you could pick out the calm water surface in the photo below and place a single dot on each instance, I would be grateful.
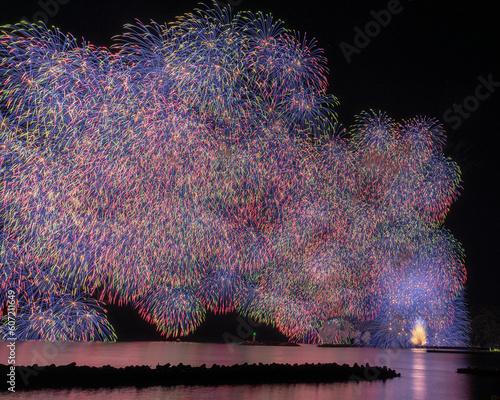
(423, 375)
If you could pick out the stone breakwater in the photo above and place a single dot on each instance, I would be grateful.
(73, 376)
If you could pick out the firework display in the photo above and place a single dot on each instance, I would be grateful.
(198, 166)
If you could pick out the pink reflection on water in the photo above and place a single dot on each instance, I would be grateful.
(424, 375)
(419, 374)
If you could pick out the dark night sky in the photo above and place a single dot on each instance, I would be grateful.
(427, 59)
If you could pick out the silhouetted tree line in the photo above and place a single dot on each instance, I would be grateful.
(485, 324)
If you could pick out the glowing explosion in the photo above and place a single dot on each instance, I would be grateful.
(198, 166)
(419, 336)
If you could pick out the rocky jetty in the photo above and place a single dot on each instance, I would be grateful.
(252, 343)
(73, 376)
(480, 371)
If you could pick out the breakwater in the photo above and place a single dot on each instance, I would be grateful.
(73, 376)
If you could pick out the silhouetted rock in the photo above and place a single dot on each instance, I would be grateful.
(72, 376)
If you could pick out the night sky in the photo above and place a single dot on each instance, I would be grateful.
(428, 60)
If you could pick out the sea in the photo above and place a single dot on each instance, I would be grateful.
(424, 375)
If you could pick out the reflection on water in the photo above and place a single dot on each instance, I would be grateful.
(424, 375)
(419, 374)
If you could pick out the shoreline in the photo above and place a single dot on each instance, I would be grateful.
(252, 343)
(72, 376)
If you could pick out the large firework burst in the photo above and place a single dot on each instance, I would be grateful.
(200, 167)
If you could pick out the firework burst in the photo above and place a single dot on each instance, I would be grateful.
(200, 167)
